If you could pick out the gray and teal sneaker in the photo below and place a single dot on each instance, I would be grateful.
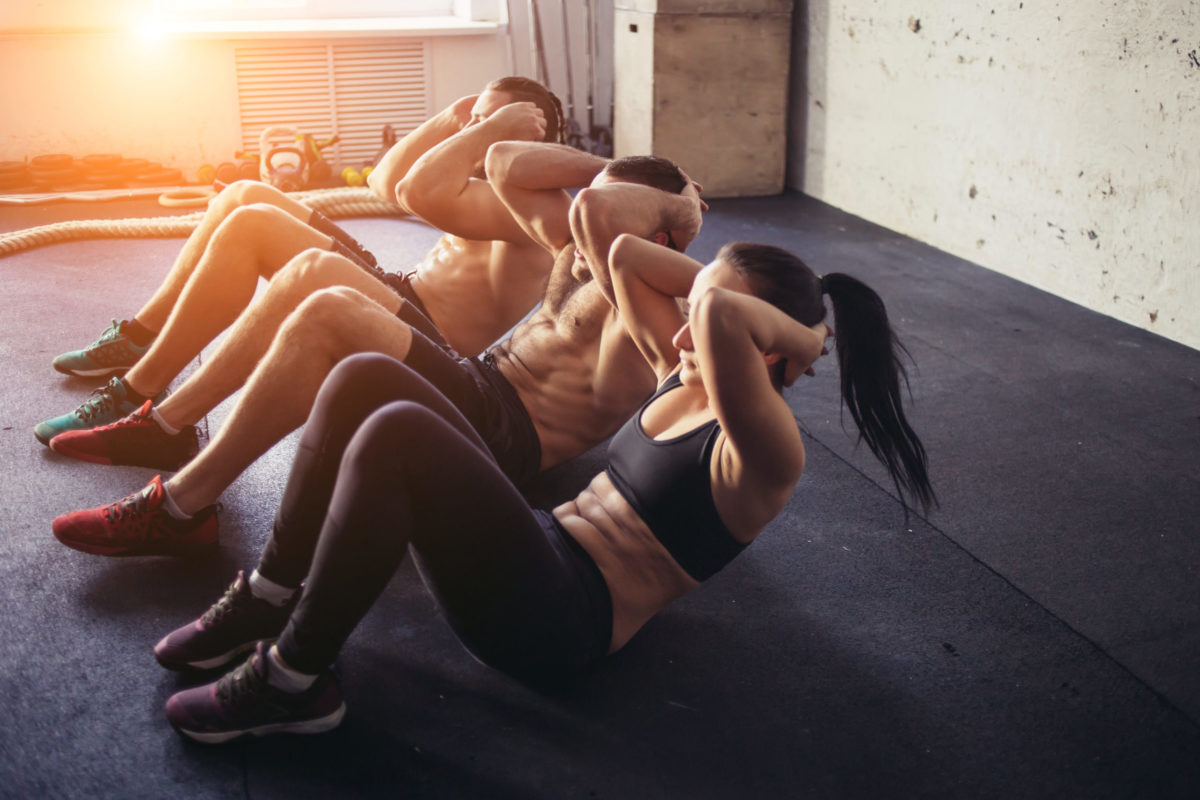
(112, 352)
(109, 403)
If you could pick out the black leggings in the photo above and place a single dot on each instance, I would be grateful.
(386, 461)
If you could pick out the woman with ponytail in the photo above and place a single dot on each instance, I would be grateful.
(868, 354)
(692, 479)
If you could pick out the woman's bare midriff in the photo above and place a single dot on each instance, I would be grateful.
(642, 576)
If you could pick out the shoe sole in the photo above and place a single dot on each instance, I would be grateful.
(79, 455)
(212, 663)
(118, 551)
(92, 458)
(93, 373)
(318, 725)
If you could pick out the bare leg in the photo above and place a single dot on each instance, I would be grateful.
(154, 313)
(326, 328)
(235, 358)
(253, 241)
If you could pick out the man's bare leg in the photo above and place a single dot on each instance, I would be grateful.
(249, 339)
(252, 242)
(326, 328)
(153, 315)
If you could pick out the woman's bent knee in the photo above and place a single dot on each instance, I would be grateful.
(402, 435)
(366, 369)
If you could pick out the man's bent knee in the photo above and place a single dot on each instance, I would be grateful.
(327, 308)
(246, 192)
(311, 271)
(255, 219)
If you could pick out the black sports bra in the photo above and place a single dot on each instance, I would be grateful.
(669, 484)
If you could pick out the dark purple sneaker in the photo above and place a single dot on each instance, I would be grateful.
(234, 624)
(135, 440)
(243, 703)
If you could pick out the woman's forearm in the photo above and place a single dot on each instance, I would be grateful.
(729, 324)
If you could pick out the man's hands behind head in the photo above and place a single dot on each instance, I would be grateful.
(459, 112)
(519, 122)
(683, 217)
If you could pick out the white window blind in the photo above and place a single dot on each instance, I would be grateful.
(344, 87)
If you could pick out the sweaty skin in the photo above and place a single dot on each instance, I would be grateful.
(574, 366)
(641, 574)
(474, 289)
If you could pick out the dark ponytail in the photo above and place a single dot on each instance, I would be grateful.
(868, 355)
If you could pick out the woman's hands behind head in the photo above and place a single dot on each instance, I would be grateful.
(801, 364)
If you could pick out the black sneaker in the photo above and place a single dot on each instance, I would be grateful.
(133, 441)
(234, 624)
(243, 703)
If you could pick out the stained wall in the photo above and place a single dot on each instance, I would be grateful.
(1056, 141)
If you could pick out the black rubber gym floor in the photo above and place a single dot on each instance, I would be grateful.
(1038, 636)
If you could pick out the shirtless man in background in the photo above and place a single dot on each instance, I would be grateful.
(564, 381)
(477, 282)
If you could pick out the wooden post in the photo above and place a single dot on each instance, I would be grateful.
(705, 83)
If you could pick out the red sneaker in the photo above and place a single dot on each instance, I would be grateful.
(135, 440)
(137, 526)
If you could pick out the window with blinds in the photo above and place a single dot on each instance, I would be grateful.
(350, 88)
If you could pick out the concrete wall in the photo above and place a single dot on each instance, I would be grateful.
(1056, 141)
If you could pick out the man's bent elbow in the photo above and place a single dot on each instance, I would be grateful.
(498, 162)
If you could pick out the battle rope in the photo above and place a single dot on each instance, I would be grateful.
(335, 203)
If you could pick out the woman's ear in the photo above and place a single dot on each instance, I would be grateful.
(661, 238)
(772, 358)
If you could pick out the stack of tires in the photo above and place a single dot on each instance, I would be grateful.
(65, 173)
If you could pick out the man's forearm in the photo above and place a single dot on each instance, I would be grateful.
(443, 171)
(398, 160)
(537, 165)
(600, 214)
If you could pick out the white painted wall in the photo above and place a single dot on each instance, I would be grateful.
(1056, 141)
(582, 29)
(78, 81)
(172, 101)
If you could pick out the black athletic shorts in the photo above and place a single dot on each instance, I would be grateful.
(487, 400)
(412, 310)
